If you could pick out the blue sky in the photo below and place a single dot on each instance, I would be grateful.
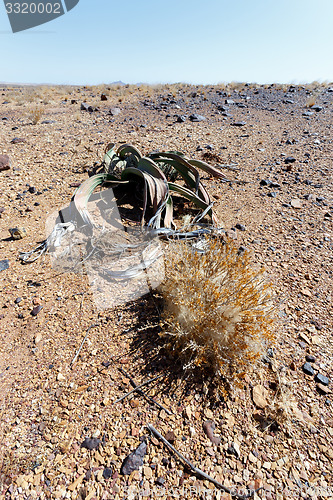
(202, 42)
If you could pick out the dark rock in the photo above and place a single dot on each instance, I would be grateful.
(238, 124)
(229, 101)
(290, 159)
(103, 97)
(240, 227)
(271, 194)
(91, 443)
(265, 182)
(307, 113)
(84, 106)
(87, 477)
(317, 108)
(18, 300)
(134, 459)
(241, 250)
(106, 364)
(197, 118)
(208, 428)
(32, 190)
(321, 379)
(73, 101)
(4, 264)
(160, 481)
(310, 358)
(36, 310)
(232, 451)
(4, 163)
(107, 473)
(181, 119)
(14, 128)
(170, 436)
(17, 140)
(307, 368)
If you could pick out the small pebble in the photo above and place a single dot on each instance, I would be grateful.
(321, 379)
(307, 368)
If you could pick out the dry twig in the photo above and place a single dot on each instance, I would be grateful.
(83, 341)
(137, 388)
(194, 469)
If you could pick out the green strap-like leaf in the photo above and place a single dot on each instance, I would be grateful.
(207, 168)
(127, 149)
(86, 189)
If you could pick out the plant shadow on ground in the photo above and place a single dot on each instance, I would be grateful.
(151, 358)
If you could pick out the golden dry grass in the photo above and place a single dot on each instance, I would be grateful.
(218, 309)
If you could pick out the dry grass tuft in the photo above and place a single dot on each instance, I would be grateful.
(35, 113)
(218, 312)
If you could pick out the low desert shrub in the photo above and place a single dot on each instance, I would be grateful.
(218, 310)
(35, 113)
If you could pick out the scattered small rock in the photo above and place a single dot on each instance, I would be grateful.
(209, 427)
(18, 140)
(323, 389)
(296, 203)
(4, 264)
(134, 459)
(289, 159)
(36, 310)
(170, 436)
(18, 233)
(114, 111)
(260, 396)
(4, 163)
(307, 368)
(107, 473)
(233, 449)
(197, 118)
(310, 358)
(87, 107)
(265, 182)
(321, 379)
(91, 443)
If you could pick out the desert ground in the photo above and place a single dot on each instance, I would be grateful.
(62, 433)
